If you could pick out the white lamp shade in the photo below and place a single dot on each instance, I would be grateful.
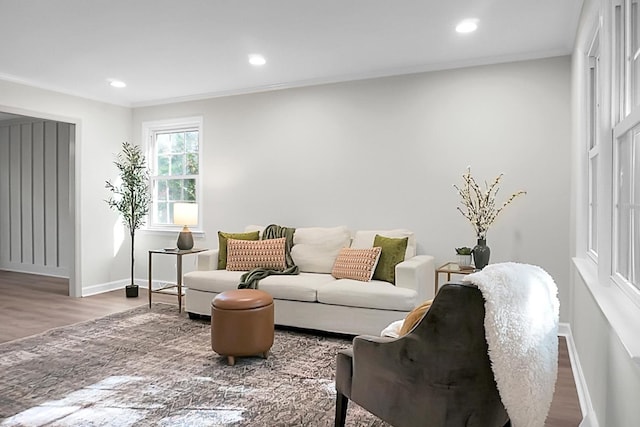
(185, 213)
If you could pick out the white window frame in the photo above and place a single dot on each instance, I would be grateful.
(149, 130)
(593, 144)
(626, 123)
(618, 300)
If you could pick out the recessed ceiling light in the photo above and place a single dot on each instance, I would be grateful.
(467, 26)
(257, 60)
(117, 83)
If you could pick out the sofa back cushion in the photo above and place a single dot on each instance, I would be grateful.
(315, 249)
(364, 239)
(253, 227)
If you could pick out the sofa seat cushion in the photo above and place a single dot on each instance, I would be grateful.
(213, 280)
(299, 287)
(374, 294)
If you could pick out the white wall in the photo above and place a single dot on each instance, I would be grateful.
(385, 152)
(100, 130)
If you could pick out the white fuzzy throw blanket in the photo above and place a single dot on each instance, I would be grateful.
(521, 325)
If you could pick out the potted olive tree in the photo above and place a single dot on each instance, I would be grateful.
(130, 196)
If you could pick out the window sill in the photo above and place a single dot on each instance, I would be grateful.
(620, 311)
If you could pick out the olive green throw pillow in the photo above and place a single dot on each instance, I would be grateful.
(392, 254)
(222, 244)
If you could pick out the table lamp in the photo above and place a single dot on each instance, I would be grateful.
(185, 214)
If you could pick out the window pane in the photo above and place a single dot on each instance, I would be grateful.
(593, 93)
(634, 253)
(189, 190)
(593, 205)
(619, 65)
(163, 216)
(170, 213)
(623, 242)
(635, 52)
(623, 218)
(192, 142)
(162, 193)
(177, 142)
(162, 143)
(163, 165)
(175, 189)
(192, 164)
(635, 249)
(177, 164)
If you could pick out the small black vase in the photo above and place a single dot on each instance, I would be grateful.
(481, 253)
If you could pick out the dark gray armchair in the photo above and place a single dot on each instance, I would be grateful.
(439, 374)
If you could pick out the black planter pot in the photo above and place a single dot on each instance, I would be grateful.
(481, 253)
(131, 291)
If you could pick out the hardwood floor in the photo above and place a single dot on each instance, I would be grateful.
(30, 304)
(565, 407)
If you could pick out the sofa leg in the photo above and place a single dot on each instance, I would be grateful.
(341, 409)
(231, 360)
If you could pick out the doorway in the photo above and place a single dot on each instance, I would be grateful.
(37, 174)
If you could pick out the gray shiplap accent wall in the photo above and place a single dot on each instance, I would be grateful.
(34, 197)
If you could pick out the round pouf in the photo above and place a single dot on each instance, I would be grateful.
(242, 323)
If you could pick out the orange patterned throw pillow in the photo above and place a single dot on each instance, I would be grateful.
(245, 255)
(357, 264)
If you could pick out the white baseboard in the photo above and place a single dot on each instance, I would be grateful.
(589, 418)
(120, 284)
(111, 286)
(62, 273)
(564, 329)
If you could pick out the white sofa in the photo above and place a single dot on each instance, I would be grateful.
(314, 299)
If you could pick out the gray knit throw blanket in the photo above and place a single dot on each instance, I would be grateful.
(250, 279)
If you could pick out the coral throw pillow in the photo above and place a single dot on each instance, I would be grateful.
(222, 244)
(357, 264)
(245, 255)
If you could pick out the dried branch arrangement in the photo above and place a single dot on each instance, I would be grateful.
(478, 205)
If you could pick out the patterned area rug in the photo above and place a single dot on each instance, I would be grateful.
(154, 367)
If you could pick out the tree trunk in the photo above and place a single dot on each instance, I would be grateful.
(132, 230)
(133, 233)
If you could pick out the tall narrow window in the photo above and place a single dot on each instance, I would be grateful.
(593, 94)
(626, 148)
(619, 60)
(174, 153)
(627, 207)
(634, 52)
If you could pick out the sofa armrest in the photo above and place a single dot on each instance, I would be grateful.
(208, 260)
(417, 273)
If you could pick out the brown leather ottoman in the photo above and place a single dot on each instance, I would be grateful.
(242, 323)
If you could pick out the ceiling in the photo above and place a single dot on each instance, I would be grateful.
(168, 50)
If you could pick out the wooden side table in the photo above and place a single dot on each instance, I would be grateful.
(179, 253)
(451, 268)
